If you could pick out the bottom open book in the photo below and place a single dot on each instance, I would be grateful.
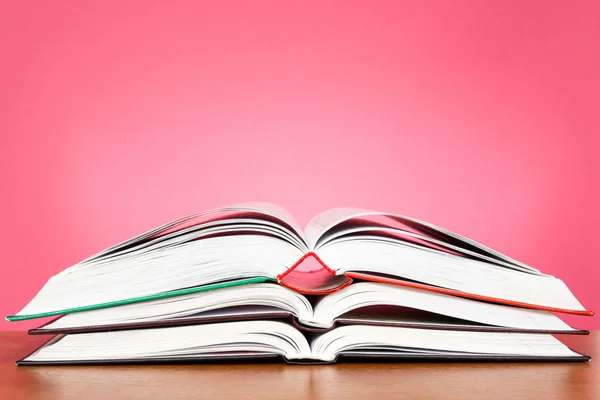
(244, 340)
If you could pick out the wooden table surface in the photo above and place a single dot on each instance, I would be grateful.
(265, 381)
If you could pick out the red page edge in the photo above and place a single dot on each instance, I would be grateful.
(356, 275)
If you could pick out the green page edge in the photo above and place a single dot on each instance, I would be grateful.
(142, 298)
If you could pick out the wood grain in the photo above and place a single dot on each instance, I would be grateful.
(274, 381)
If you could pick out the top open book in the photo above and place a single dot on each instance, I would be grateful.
(253, 242)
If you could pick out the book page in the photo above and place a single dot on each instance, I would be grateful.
(215, 214)
(381, 302)
(326, 220)
(274, 211)
(322, 223)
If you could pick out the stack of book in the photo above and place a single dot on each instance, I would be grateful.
(246, 283)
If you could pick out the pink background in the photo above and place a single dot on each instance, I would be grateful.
(478, 116)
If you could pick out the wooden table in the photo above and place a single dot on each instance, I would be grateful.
(545, 381)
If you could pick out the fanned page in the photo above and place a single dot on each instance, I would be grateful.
(197, 251)
(390, 248)
(134, 300)
(274, 211)
(181, 224)
(255, 242)
(325, 221)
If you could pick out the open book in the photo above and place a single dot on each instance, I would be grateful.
(260, 242)
(364, 303)
(255, 339)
